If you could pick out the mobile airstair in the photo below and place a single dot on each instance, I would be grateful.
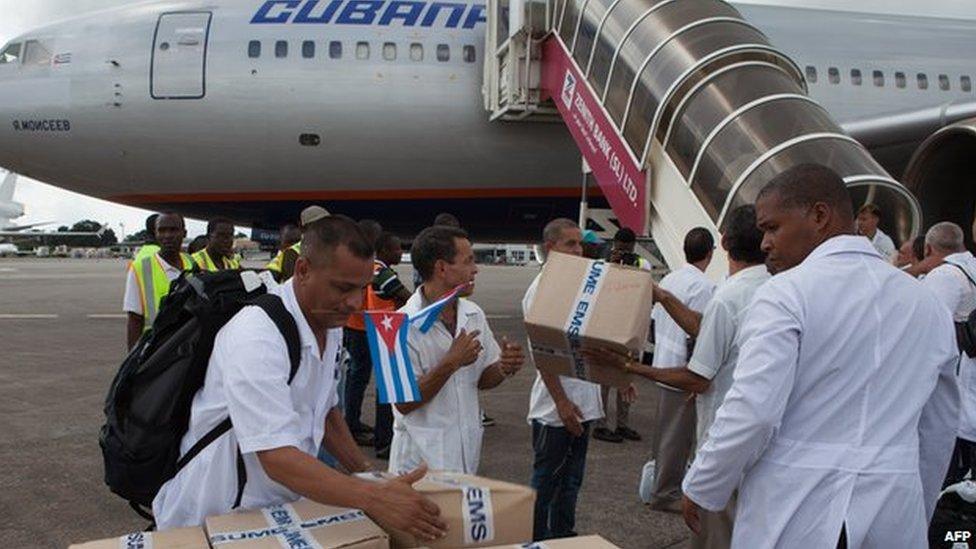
(682, 109)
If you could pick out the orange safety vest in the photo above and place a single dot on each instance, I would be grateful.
(371, 301)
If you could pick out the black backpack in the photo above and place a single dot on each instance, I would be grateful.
(966, 330)
(147, 410)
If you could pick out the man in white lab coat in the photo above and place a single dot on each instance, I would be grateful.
(953, 280)
(843, 408)
(452, 361)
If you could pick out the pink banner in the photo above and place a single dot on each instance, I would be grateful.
(618, 174)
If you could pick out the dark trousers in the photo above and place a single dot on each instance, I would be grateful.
(560, 461)
(357, 378)
(963, 460)
(383, 435)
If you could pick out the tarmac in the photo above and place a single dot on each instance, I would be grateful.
(62, 340)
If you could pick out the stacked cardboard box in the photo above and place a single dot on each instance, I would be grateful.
(179, 538)
(479, 512)
(300, 524)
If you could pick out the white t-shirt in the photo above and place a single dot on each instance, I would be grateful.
(247, 378)
(717, 346)
(691, 287)
(446, 431)
(132, 301)
(958, 294)
(584, 394)
(883, 244)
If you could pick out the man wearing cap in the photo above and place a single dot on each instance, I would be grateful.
(283, 264)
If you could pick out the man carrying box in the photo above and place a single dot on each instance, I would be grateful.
(452, 361)
(278, 425)
(561, 411)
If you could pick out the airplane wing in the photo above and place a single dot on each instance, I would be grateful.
(20, 228)
(895, 128)
(22, 234)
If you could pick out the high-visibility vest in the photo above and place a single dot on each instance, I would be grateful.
(205, 262)
(144, 251)
(153, 284)
(276, 263)
(371, 302)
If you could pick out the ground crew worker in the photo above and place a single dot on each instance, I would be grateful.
(149, 278)
(840, 420)
(278, 427)
(283, 264)
(219, 253)
(149, 248)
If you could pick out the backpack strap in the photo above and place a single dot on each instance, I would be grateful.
(275, 309)
(964, 272)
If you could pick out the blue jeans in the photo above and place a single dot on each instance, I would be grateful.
(560, 461)
(357, 378)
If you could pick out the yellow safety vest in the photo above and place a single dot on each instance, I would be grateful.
(206, 262)
(144, 251)
(153, 284)
(276, 263)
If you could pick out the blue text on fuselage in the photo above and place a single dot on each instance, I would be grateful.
(409, 13)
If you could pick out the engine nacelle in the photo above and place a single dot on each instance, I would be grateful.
(942, 173)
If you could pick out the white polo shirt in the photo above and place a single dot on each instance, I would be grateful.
(883, 244)
(691, 287)
(132, 301)
(247, 378)
(585, 395)
(958, 294)
(446, 431)
(717, 346)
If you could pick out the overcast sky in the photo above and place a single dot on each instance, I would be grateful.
(47, 203)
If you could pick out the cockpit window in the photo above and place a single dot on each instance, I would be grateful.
(10, 54)
(36, 54)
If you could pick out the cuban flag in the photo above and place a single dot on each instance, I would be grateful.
(387, 334)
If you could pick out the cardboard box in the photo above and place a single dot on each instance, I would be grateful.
(586, 542)
(584, 303)
(177, 538)
(479, 512)
(300, 524)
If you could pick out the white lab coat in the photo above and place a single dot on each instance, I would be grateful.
(842, 410)
(446, 432)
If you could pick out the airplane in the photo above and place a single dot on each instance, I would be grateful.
(10, 210)
(253, 109)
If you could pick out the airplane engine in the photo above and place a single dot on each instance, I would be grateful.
(941, 174)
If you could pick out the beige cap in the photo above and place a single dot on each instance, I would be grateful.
(312, 214)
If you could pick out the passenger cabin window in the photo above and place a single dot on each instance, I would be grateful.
(10, 54)
(443, 52)
(833, 75)
(416, 52)
(878, 77)
(468, 53)
(362, 50)
(335, 49)
(389, 51)
(36, 54)
(900, 80)
(811, 74)
(281, 49)
(923, 81)
(308, 49)
(254, 49)
(856, 77)
(966, 83)
(943, 82)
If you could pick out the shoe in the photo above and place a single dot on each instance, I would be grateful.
(487, 421)
(363, 438)
(383, 453)
(628, 433)
(606, 435)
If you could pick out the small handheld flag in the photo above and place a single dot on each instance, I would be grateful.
(387, 333)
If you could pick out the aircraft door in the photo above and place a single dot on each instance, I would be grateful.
(179, 59)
